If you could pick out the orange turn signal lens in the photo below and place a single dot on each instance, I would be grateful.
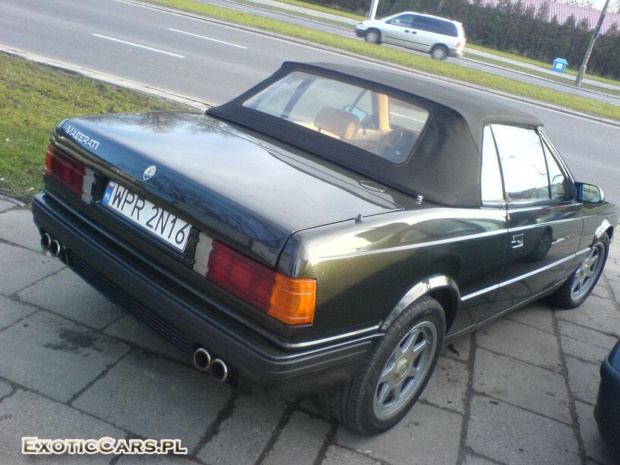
(293, 300)
(290, 300)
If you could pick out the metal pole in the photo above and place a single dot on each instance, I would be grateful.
(597, 30)
(373, 9)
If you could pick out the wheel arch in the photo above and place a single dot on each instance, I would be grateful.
(440, 44)
(442, 288)
(605, 227)
(378, 31)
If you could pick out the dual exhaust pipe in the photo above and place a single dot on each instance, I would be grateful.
(217, 368)
(51, 245)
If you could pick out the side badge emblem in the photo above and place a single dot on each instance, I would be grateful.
(149, 172)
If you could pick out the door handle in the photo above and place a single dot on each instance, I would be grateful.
(517, 241)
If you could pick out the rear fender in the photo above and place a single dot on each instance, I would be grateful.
(427, 287)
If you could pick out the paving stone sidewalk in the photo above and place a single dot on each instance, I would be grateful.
(519, 391)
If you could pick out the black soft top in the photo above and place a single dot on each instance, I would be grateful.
(444, 166)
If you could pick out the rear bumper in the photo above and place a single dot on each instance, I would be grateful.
(189, 319)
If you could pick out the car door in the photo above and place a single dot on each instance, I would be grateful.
(545, 222)
(424, 34)
(484, 258)
(398, 31)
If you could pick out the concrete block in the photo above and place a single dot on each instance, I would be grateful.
(595, 313)
(7, 204)
(12, 311)
(584, 343)
(522, 342)
(16, 226)
(537, 315)
(20, 268)
(459, 349)
(54, 356)
(258, 418)
(299, 442)
(5, 389)
(29, 414)
(521, 384)
(448, 385)
(512, 435)
(156, 399)
(338, 456)
(427, 435)
(476, 460)
(583, 379)
(69, 295)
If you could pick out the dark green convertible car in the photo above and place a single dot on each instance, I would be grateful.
(325, 232)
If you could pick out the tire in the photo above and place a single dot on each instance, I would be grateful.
(373, 36)
(439, 52)
(580, 284)
(396, 372)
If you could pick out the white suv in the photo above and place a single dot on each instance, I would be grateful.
(440, 37)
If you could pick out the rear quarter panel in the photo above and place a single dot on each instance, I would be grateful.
(364, 269)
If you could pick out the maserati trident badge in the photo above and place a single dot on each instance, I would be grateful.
(149, 172)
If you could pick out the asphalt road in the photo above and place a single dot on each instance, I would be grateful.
(213, 62)
(265, 8)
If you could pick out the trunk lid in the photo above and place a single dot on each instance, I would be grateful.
(244, 189)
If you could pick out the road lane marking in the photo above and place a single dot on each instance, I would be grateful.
(138, 45)
(208, 38)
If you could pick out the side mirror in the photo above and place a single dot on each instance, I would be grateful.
(589, 193)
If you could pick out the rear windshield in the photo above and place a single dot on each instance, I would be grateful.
(379, 123)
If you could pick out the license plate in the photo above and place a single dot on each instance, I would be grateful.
(147, 215)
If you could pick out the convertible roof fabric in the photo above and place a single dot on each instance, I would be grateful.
(444, 166)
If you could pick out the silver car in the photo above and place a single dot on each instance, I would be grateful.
(440, 37)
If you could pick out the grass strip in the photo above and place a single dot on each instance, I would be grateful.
(542, 74)
(540, 64)
(34, 98)
(421, 63)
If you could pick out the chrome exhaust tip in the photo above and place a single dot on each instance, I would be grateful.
(46, 241)
(219, 370)
(202, 359)
(56, 249)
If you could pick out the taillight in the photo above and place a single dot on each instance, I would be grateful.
(289, 300)
(64, 170)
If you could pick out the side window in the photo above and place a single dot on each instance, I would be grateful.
(492, 190)
(557, 180)
(402, 20)
(447, 29)
(423, 24)
(523, 163)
